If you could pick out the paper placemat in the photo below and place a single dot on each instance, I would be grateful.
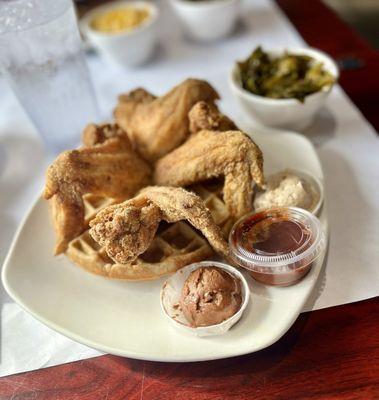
(346, 143)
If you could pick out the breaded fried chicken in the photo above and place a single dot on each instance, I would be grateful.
(158, 125)
(211, 154)
(126, 230)
(110, 169)
(206, 116)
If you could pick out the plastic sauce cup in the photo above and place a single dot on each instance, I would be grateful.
(277, 246)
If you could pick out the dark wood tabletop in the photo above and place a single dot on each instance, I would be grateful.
(327, 354)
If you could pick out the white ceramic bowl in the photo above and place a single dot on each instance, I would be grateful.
(207, 20)
(283, 113)
(127, 48)
(172, 290)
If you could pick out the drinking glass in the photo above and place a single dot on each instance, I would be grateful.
(42, 59)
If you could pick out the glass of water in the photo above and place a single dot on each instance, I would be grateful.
(41, 57)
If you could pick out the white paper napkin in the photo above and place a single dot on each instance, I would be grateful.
(346, 143)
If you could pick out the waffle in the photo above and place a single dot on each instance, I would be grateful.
(172, 248)
(212, 195)
(93, 204)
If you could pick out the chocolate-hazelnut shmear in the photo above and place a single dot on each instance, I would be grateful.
(210, 296)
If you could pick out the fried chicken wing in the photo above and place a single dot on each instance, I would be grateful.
(206, 116)
(158, 125)
(126, 230)
(111, 169)
(211, 154)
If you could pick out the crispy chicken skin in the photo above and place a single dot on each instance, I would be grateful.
(111, 169)
(137, 96)
(126, 230)
(206, 116)
(96, 134)
(158, 125)
(211, 154)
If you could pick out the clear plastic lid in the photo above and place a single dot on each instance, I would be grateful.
(277, 240)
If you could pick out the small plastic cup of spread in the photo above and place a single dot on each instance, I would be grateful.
(277, 246)
(308, 192)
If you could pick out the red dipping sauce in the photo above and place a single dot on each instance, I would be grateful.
(277, 246)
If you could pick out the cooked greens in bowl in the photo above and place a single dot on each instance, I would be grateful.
(289, 76)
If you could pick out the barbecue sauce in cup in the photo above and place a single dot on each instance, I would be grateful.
(277, 246)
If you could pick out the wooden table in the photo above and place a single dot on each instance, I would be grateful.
(327, 354)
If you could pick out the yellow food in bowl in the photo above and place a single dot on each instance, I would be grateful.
(119, 19)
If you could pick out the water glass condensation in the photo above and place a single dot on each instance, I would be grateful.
(42, 59)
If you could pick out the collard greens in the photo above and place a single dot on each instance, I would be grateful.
(286, 77)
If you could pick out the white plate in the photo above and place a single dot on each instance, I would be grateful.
(125, 318)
